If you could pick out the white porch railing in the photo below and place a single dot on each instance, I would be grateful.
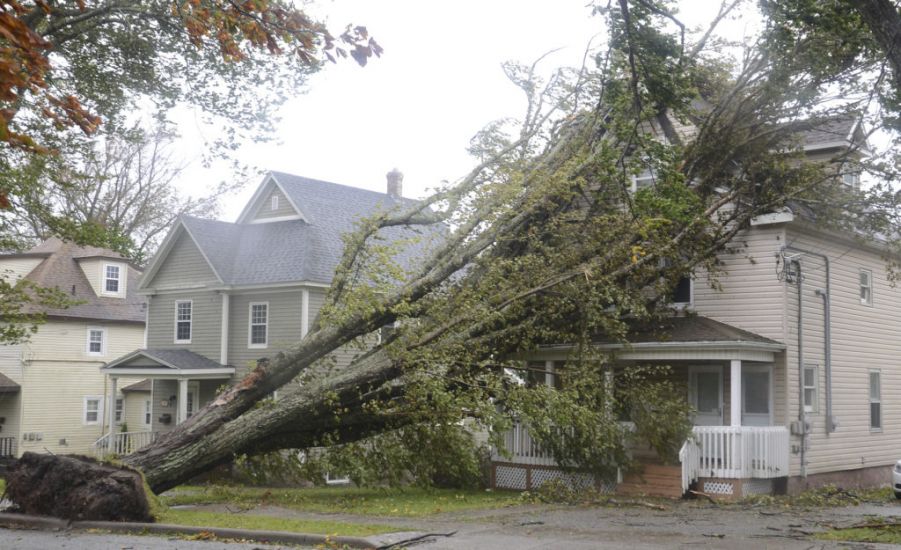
(122, 443)
(525, 450)
(735, 452)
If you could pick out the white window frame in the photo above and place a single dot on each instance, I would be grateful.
(815, 387)
(99, 410)
(868, 301)
(251, 324)
(120, 409)
(147, 415)
(876, 399)
(88, 342)
(190, 322)
(645, 176)
(851, 179)
(104, 277)
(273, 202)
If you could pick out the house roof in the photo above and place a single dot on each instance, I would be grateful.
(60, 269)
(300, 250)
(167, 363)
(835, 131)
(7, 385)
(143, 385)
(688, 329)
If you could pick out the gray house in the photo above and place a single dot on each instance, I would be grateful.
(221, 296)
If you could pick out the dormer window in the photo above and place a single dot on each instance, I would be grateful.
(111, 279)
(274, 202)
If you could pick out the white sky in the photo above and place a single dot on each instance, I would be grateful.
(416, 108)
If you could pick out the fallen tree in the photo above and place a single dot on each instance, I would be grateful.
(547, 241)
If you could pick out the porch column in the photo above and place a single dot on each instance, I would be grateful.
(182, 400)
(111, 406)
(735, 393)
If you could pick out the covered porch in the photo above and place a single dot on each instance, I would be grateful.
(178, 382)
(732, 379)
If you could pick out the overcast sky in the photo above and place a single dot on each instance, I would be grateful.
(416, 108)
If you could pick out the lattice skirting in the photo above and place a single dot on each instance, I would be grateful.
(524, 477)
(725, 488)
(757, 487)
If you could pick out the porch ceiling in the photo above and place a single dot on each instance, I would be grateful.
(167, 363)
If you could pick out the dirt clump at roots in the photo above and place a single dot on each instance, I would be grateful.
(77, 488)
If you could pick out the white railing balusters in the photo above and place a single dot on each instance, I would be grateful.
(122, 443)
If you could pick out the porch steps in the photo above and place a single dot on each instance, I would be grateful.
(654, 480)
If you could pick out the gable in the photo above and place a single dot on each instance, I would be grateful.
(183, 266)
(272, 204)
(16, 267)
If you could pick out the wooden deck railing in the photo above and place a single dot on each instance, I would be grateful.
(122, 443)
(735, 452)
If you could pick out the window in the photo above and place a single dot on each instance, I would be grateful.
(682, 294)
(643, 180)
(851, 179)
(119, 406)
(148, 412)
(183, 316)
(866, 287)
(810, 388)
(259, 321)
(111, 279)
(93, 409)
(96, 341)
(274, 203)
(875, 402)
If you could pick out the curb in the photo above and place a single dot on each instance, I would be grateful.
(22, 521)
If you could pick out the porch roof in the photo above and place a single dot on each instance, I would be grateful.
(7, 385)
(167, 363)
(690, 337)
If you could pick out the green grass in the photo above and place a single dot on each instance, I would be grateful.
(886, 533)
(269, 523)
(823, 497)
(405, 502)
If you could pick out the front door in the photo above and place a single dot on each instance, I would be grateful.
(757, 395)
(193, 398)
(705, 389)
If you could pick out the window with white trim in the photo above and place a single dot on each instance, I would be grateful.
(120, 405)
(643, 180)
(96, 341)
(184, 315)
(875, 401)
(93, 409)
(811, 379)
(866, 287)
(851, 179)
(258, 336)
(111, 278)
(148, 412)
(274, 202)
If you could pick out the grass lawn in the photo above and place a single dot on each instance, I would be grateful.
(876, 532)
(405, 502)
(269, 523)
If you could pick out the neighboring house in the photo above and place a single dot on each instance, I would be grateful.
(784, 401)
(223, 295)
(52, 396)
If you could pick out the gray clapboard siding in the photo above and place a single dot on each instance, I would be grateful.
(205, 323)
(283, 327)
(264, 207)
(863, 338)
(184, 265)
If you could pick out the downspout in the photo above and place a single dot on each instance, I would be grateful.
(827, 337)
(802, 417)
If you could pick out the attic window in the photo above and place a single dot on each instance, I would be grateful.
(274, 202)
(111, 279)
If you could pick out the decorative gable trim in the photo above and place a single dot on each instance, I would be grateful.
(166, 247)
(259, 195)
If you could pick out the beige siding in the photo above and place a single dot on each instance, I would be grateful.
(183, 266)
(206, 313)
(16, 268)
(134, 408)
(67, 341)
(264, 208)
(94, 270)
(11, 403)
(863, 338)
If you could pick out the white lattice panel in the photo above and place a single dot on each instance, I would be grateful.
(719, 487)
(757, 487)
(510, 477)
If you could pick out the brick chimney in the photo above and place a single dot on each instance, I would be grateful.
(395, 183)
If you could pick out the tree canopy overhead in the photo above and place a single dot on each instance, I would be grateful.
(547, 241)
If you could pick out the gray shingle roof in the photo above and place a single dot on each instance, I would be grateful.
(61, 270)
(689, 329)
(143, 385)
(299, 250)
(7, 385)
(174, 358)
(832, 130)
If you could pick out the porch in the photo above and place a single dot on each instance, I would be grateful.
(175, 383)
(732, 380)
